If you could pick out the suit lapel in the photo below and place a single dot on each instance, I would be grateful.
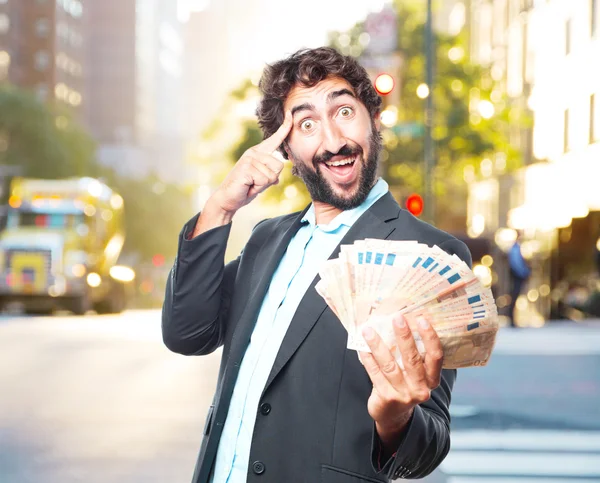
(266, 262)
(272, 251)
(372, 224)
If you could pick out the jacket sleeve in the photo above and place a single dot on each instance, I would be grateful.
(426, 439)
(198, 292)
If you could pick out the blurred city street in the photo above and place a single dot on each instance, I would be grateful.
(531, 415)
(122, 119)
(99, 399)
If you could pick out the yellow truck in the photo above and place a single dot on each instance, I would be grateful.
(60, 247)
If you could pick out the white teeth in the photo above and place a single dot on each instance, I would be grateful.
(341, 162)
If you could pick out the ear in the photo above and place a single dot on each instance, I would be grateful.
(288, 151)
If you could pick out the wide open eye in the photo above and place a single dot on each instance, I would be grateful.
(346, 111)
(307, 125)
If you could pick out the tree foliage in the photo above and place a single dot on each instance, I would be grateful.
(41, 139)
(154, 214)
(463, 137)
(467, 143)
(45, 142)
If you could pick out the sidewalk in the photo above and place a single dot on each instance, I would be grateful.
(561, 337)
(588, 323)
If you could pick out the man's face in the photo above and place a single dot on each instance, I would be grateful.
(334, 144)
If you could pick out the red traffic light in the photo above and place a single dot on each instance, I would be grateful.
(414, 204)
(158, 260)
(384, 84)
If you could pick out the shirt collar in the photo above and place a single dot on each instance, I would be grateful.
(348, 217)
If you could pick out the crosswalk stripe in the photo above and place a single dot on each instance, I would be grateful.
(502, 463)
(539, 440)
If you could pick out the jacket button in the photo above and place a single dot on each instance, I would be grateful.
(258, 467)
(265, 408)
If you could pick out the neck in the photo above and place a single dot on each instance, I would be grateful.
(324, 213)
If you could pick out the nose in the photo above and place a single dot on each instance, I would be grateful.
(333, 140)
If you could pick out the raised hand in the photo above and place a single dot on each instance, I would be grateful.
(254, 172)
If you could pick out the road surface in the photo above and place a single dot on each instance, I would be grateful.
(98, 399)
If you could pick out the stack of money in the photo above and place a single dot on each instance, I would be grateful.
(373, 281)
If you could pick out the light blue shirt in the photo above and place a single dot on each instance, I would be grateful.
(308, 249)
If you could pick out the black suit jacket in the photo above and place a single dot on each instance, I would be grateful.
(312, 424)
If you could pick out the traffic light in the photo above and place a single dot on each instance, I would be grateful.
(414, 204)
(158, 260)
(384, 84)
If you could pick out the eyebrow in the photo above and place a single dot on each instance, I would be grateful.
(342, 92)
(307, 106)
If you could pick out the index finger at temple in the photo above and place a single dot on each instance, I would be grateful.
(271, 144)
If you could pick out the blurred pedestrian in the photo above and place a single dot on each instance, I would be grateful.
(291, 401)
(597, 254)
(519, 273)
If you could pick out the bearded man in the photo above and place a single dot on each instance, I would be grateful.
(292, 403)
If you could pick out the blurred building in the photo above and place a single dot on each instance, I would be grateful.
(42, 48)
(159, 83)
(111, 70)
(111, 85)
(204, 69)
(555, 199)
(450, 16)
(134, 56)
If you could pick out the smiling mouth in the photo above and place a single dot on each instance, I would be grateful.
(341, 162)
(342, 169)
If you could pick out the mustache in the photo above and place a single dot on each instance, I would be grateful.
(345, 151)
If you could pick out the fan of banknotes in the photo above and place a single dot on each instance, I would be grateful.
(374, 280)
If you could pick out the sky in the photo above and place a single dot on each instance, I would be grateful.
(271, 29)
(241, 36)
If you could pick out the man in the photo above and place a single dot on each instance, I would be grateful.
(519, 273)
(292, 404)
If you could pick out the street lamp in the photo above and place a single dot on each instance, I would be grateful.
(428, 148)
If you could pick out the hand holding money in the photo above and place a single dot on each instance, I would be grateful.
(373, 281)
(395, 391)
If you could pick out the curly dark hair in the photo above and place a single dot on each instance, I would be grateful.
(308, 67)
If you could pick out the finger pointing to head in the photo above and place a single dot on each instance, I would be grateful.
(271, 144)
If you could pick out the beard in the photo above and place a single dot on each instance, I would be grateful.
(322, 191)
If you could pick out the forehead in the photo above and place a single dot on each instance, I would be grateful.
(316, 94)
